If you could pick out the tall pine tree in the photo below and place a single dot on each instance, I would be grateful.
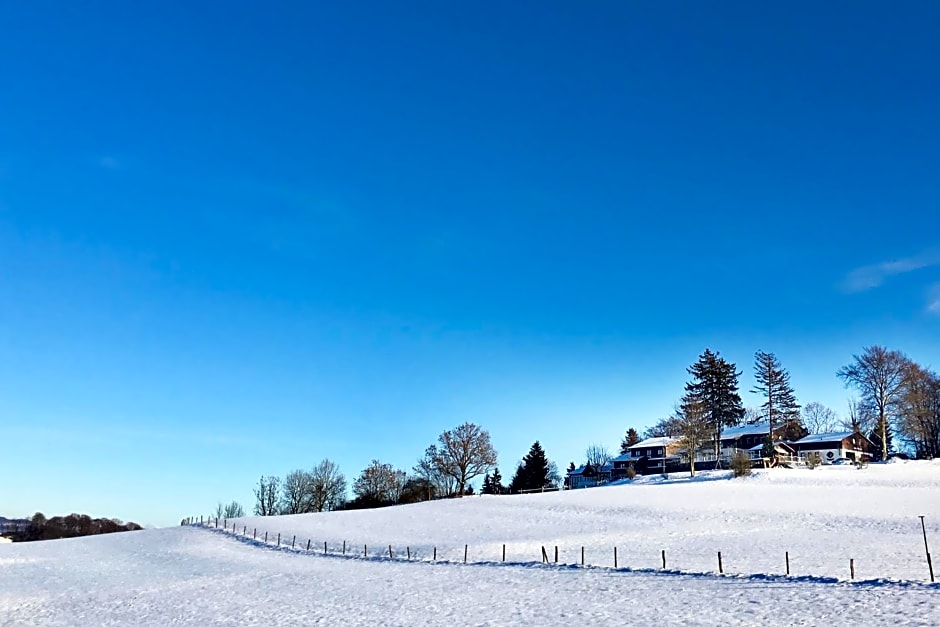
(780, 406)
(533, 472)
(631, 438)
(496, 482)
(714, 389)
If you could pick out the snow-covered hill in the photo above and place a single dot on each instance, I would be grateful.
(822, 517)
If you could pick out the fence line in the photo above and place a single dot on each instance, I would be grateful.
(213, 523)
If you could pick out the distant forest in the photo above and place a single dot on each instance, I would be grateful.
(71, 526)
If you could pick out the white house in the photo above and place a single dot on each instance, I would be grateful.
(833, 446)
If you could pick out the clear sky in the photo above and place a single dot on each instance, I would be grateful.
(236, 239)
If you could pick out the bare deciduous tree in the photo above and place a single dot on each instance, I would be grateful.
(878, 374)
(429, 469)
(695, 430)
(465, 452)
(328, 486)
(667, 427)
(919, 419)
(379, 483)
(297, 493)
(233, 510)
(818, 418)
(267, 495)
(860, 417)
(597, 455)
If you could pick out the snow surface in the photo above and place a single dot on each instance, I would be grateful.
(823, 517)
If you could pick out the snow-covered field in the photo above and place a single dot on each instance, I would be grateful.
(822, 517)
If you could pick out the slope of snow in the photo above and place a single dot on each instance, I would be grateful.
(822, 517)
(192, 576)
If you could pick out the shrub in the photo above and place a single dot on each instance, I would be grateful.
(741, 464)
(813, 460)
(631, 472)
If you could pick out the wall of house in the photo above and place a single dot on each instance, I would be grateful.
(828, 455)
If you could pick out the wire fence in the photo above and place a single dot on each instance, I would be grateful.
(547, 554)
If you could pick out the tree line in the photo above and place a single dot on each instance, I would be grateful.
(898, 402)
(446, 470)
(71, 526)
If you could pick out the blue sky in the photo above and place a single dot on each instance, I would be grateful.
(236, 240)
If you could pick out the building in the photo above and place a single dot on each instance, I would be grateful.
(588, 476)
(849, 445)
(650, 456)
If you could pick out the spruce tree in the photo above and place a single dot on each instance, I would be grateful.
(496, 482)
(533, 471)
(487, 485)
(773, 384)
(714, 386)
(631, 438)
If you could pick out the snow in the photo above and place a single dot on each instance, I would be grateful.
(649, 442)
(826, 437)
(733, 433)
(823, 517)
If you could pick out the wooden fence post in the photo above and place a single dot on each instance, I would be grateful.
(465, 554)
(390, 552)
(720, 569)
(435, 554)
(225, 524)
(615, 557)
(279, 539)
(923, 528)
(556, 553)
(582, 556)
(365, 550)
(293, 540)
(265, 537)
(787, 555)
(344, 547)
(852, 568)
(408, 550)
(245, 530)
(255, 535)
(308, 545)
(664, 559)
(324, 547)
(544, 556)
(504, 552)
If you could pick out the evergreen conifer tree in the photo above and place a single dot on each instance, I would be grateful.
(533, 471)
(631, 438)
(487, 485)
(714, 386)
(773, 384)
(496, 482)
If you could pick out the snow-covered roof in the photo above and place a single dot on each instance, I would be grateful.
(608, 467)
(626, 457)
(648, 442)
(733, 433)
(836, 436)
(577, 471)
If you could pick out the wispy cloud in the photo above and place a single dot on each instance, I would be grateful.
(869, 277)
(933, 300)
